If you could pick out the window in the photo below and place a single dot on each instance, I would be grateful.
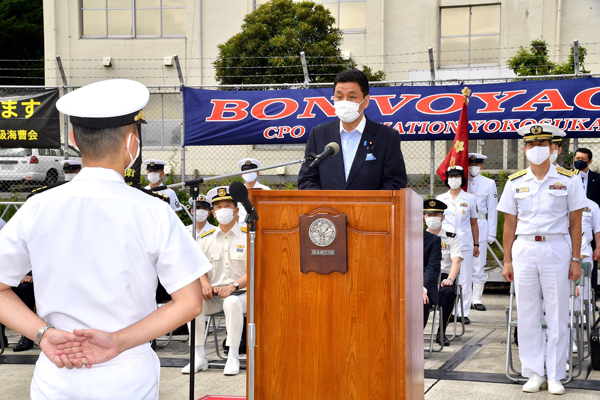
(132, 18)
(350, 15)
(470, 35)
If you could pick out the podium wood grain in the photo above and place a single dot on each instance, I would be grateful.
(356, 335)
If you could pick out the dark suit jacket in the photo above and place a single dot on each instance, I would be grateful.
(593, 187)
(432, 264)
(386, 172)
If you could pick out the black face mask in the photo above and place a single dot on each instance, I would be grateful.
(580, 164)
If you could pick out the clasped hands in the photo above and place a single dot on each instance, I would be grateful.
(83, 347)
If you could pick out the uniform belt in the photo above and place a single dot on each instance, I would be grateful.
(482, 216)
(542, 238)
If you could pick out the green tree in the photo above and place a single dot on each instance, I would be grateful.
(267, 50)
(536, 61)
(22, 38)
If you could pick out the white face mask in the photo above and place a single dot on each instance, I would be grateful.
(201, 215)
(137, 154)
(154, 177)
(553, 156)
(69, 176)
(224, 215)
(433, 222)
(250, 177)
(346, 110)
(538, 154)
(474, 171)
(454, 183)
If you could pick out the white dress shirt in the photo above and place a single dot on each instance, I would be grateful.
(227, 253)
(541, 206)
(350, 142)
(484, 190)
(96, 248)
(207, 227)
(457, 217)
(173, 200)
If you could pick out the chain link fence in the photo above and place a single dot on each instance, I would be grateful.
(22, 170)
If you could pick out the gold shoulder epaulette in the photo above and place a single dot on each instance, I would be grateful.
(208, 232)
(517, 174)
(450, 234)
(244, 229)
(152, 193)
(44, 188)
(576, 171)
(564, 171)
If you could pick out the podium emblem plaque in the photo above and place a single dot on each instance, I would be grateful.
(323, 245)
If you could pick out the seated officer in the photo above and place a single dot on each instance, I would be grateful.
(26, 294)
(156, 171)
(203, 207)
(225, 247)
(433, 213)
(70, 168)
(250, 180)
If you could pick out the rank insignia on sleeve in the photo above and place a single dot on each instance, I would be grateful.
(521, 190)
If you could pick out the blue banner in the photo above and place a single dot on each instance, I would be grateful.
(496, 111)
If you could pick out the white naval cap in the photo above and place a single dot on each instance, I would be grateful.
(476, 158)
(218, 194)
(70, 165)
(248, 163)
(154, 164)
(533, 132)
(202, 201)
(106, 104)
(558, 136)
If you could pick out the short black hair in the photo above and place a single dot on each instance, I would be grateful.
(99, 143)
(584, 151)
(463, 181)
(353, 75)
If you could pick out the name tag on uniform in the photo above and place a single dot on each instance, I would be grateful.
(558, 186)
(240, 248)
(523, 189)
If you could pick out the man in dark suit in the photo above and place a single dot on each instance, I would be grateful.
(432, 260)
(591, 184)
(370, 157)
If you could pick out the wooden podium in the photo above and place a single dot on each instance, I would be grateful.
(353, 335)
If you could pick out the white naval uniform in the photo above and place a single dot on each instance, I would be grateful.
(542, 267)
(207, 227)
(484, 190)
(96, 256)
(228, 254)
(242, 212)
(2, 223)
(457, 219)
(450, 250)
(173, 200)
(590, 225)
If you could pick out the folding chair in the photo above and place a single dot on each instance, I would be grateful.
(436, 309)
(215, 319)
(1, 343)
(459, 298)
(511, 322)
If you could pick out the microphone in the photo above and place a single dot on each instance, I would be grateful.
(330, 150)
(239, 193)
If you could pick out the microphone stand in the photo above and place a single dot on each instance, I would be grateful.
(250, 220)
(194, 192)
(194, 182)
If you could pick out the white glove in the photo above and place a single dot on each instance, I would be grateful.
(491, 239)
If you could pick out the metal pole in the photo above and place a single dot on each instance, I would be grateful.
(576, 56)
(194, 191)
(304, 68)
(182, 109)
(178, 66)
(432, 168)
(575, 144)
(65, 118)
(431, 66)
(251, 325)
